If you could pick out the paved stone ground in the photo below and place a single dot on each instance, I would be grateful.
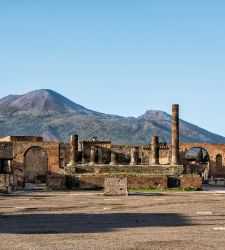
(87, 220)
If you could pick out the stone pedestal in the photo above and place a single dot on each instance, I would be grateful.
(154, 159)
(115, 187)
(175, 135)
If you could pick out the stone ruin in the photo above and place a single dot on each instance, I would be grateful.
(86, 163)
(115, 187)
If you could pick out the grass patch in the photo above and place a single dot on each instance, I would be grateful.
(146, 190)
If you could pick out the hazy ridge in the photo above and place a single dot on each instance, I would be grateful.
(49, 114)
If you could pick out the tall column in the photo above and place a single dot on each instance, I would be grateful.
(154, 160)
(175, 135)
(73, 148)
(92, 155)
(134, 156)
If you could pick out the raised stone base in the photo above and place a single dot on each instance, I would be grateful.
(116, 186)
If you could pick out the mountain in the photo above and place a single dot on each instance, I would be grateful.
(51, 115)
(39, 102)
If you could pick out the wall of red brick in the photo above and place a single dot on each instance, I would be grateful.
(194, 182)
(88, 182)
(158, 182)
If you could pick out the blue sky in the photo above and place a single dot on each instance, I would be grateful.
(119, 56)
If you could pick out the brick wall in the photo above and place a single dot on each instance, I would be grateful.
(194, 182)
(158, 182)
(213, 150)
(90, 181)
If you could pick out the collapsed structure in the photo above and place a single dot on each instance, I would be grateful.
(26, 159)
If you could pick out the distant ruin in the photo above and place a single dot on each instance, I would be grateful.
(29, 159)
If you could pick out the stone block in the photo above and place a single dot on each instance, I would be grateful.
(116, 186)
(194, 182)
(56, 182)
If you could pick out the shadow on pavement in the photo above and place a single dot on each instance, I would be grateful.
(86, 223)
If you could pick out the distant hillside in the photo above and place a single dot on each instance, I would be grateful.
(51, 115)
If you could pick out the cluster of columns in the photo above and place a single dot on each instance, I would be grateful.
(154, 159)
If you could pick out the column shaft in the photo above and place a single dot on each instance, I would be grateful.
(175, 135)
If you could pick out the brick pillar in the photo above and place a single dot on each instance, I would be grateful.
(100, 156)
(134, 156)
(154, 159)
(113, 159)
(73, 148)
(92, 155)
(175, 135)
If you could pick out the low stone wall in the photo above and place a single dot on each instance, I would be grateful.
(92, 182)
(190, 182)
(56, 182)
(217, 182)
(6, 182)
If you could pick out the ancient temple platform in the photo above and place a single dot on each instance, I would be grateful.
(138, 176)
(127, 169)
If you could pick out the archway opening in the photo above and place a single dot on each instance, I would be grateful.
(36, 165)
(197, 161)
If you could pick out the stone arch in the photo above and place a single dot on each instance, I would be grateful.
(36, 165)
(198, 154)
(219, 161)
(196, 159)
(213, 150)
